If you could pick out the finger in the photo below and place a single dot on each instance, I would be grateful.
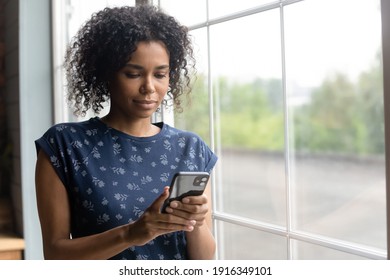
(183, 225)
(157, 204)
(198, 199)
(190, 207)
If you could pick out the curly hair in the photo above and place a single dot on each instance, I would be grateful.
(104, 45)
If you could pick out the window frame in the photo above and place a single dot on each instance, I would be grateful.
(385, 10)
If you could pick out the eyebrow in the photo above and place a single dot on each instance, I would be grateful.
(139, 67)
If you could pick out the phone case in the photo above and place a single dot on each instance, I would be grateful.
(186, 184)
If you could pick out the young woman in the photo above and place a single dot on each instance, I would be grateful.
(101, 183)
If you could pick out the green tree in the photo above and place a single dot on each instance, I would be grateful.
(342, 116)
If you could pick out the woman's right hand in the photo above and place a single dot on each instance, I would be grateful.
(153, 223)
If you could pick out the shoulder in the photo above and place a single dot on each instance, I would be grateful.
(89, 128)
(184, 138)
(74, 131)
(180, 133)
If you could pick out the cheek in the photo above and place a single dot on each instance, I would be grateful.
(163, 87)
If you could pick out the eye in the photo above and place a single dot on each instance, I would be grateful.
(160, 75)
(132, 75)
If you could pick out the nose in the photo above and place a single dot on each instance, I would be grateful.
(147, 86)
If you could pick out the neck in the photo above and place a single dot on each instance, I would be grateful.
(138, 128)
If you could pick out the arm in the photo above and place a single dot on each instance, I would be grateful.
(54, 215)
(200, 241)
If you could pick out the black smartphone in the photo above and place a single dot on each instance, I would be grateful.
(186, 184)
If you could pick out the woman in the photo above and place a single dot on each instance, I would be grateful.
(101, 183)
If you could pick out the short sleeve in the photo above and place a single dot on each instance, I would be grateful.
(54, 147)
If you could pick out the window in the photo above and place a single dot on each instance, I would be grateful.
(290, 95)
(68, 16)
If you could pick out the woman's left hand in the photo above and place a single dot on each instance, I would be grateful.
(190, 208)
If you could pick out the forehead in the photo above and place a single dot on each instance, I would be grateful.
(150, 50)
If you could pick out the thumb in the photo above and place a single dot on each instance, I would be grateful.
(157, 204)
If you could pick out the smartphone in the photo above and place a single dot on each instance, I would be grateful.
(186, 184)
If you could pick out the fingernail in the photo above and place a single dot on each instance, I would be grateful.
(186, 200)
(174, 204)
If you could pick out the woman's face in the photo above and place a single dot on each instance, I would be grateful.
(137, 90)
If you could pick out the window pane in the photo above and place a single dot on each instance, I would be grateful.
(256, 245)
(188, 12)
(335, 97)
(308, 251)
(196, 106)
(220, 8)
(246, 70)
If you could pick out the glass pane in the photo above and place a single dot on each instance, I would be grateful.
(248, 113)
(335, 97)
(256, 245)
(188, 12)
(196, 106)
(307, 251)
(82, 11)
(220, 8)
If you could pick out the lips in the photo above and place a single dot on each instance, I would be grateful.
(145, 104)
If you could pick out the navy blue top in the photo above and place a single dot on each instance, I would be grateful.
(112, 177)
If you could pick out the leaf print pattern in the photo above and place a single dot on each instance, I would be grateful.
(141, 257)
(192, 153)
(102, 219)
(76, 144)
(95, 153)
(118, 170)
(60, 127)
(117, 148)
(164, 177)
(182, 142)
(113, 179)
(54, 160)
(104, 201)
(146, 180)
(120, 197)
(133, 187)
(167, 145)
(98, 182)
(137, 212)
(88, 205)
(91, 132)
(76, 164)
(190, 165)
(135, 158)
(164, 159)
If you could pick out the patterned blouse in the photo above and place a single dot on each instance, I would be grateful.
(112, 177)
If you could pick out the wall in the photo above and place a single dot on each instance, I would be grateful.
(28, 96)
(11, 93)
